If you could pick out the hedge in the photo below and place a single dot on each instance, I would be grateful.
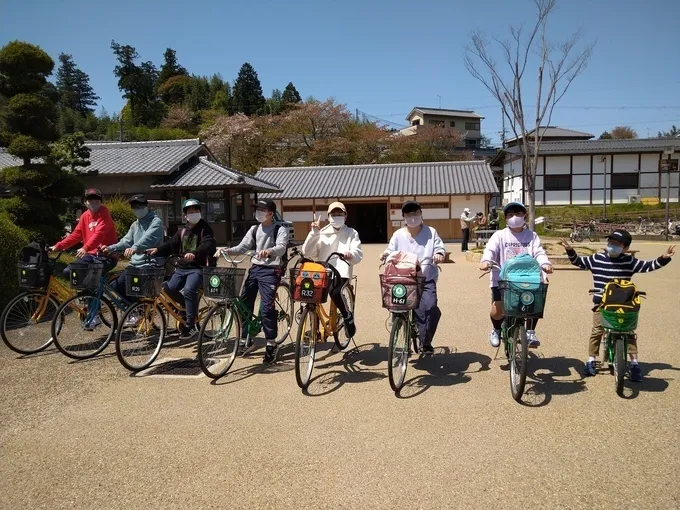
(13, 240)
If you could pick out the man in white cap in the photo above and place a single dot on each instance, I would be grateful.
(465, 221)
(336, 237)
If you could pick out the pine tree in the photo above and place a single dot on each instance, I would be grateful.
(248, 98)
(291, 95)
(170, 67)
(73, 85)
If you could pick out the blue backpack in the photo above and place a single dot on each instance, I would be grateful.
(522, 295)
(522, 269)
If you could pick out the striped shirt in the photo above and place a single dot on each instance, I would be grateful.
(605, 269)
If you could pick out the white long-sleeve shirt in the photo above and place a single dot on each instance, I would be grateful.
(426, 244)
(320, 244)
(506, 244)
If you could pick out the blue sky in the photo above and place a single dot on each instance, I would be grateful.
(381, 57)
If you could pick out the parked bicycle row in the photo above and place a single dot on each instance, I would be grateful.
(177, 285)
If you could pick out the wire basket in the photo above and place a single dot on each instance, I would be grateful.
(309, 286)
(144, 282)
(523, 299)
(401, 293)
(85, 275)
(223, 282)
(33, 276)
(619, 321)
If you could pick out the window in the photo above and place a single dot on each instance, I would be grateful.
(436, 123)
(473, 126)
(626, 181)
(557, 182)
(452, 123)
(470, 143)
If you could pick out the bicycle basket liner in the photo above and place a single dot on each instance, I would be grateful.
(523, 299)
(144, 281)
(401, 293)
(30, 275)
(619, 320)
(310, 282)
(223, 282)
(34, 266)
(85, 275)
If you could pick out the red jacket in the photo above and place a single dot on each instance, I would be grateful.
(93, 230)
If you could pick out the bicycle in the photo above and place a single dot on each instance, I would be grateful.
(315, 324)
(145, 323)
(579, 233)
(23, 319)
(92, 311)
(619, 327)
(220, 334)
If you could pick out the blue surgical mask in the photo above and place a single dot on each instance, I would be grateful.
(614, 251)
(140, 212)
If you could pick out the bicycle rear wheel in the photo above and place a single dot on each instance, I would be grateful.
(397, 353)
(342, 339)
(26, 322)
(140, 336)
(83, 326)
(284, 312)
(305, 347)
(619, 363)
(218, 340)
(518, 352)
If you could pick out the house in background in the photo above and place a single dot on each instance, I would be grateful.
(465, 121)
(552, 134)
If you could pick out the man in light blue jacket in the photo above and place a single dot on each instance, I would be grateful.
(144, 234)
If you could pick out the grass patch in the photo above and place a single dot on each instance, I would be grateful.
(615, 212)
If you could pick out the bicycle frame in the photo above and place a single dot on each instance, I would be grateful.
(54, 289)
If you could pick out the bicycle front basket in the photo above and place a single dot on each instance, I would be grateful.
(222, 282)
(33, 276)
(145, 282)
(309, 283)
(401, 293)
(85, 275)
(523, 299)
(619, 321)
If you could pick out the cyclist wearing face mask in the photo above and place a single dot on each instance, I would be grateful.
(336, 237)
(426, 244)
(515, 239)
(144, 234)
(196, 245)
(613, 263)
(270, 242)
(95, 227)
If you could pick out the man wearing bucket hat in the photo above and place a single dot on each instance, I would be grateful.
(144, 234)
(195, 244)
(465, 221)
(613, 263)
(336, 237)
(95, 228)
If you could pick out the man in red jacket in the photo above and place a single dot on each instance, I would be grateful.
(95, 228)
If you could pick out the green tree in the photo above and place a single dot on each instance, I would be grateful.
(274, 104)
(41, 190)
(606, 136)
(291, 95)
(170, 67)
(669, 134)
(623, 133)
(71, 153)
(73, 85)
(248, 98)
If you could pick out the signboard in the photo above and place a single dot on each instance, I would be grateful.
(668, 165)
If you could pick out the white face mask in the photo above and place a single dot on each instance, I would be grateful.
(261, 216)
(193, 217)
(94, 206)
(140, 212)
(336, 221)
(515, 222)
(414, 221)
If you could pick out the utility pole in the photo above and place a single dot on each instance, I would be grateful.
(503, 129)
(669, 153)
(603, 160)
(120, 126)
(356, 115)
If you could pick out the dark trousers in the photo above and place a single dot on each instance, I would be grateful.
(428, 313)
(188, 281)
(120, 286)
(109, 264)
(466, 239)
(335, 291)
(262, 279)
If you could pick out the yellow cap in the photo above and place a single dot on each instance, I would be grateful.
(337, 205)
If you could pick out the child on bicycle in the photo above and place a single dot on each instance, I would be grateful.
(270, 242)
(425, 243)
(515, 239)
(336, 237)
(613, 263)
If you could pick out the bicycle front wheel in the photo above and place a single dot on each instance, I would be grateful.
(26, 322)
(397, 353)
(342, 339)
(218, 340)
(141, 335)
(518, 353)
(284, 312)
(619, 363)
(305, 347)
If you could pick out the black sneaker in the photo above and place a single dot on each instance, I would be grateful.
(270, 353)
(591, 369)
(350, 326)
(188, 332)
(635, 373)
(428, 350)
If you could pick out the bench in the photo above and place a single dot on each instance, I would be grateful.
(483, 236)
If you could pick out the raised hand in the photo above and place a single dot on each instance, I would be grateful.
(316, 224)
(670, 252)
(563, 242)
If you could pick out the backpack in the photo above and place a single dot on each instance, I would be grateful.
(399, 283)
(277, 227)
(311, 283)
(520, 284)
(522, 269)
(402, 263)
(620, 296)
(212, 260)
(34, 266)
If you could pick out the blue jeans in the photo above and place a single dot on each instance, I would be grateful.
(109, 264)
(264, 280)
(188, 281)
(428, 313)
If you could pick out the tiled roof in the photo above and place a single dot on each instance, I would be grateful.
(604, 146)
(446, 178)
(557, 132)
(445, 113)
(206, 174)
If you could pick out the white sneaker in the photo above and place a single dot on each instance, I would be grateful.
(532, 341)
(91, 325)
(132, 320)
(495, 338)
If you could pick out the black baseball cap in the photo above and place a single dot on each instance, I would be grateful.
(138, 199)
(410, 206)
(265, 203)
(621, 236)
(93, 193)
